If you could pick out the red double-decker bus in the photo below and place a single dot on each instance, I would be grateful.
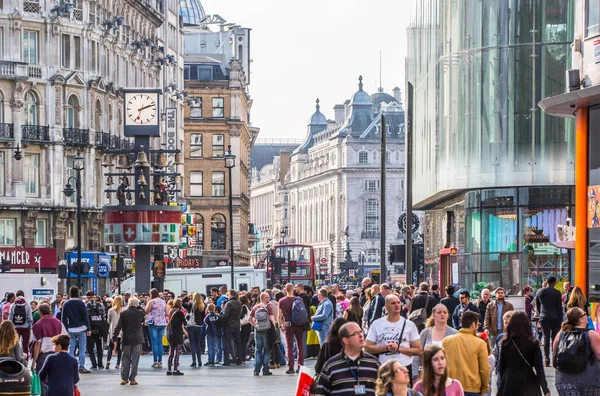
(301, 269)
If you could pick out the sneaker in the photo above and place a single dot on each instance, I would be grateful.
(117, 366)
(297, 370)
(133, 382)
(290, 371)
(256, 373)
(94, 367)
(272, 366)
(267, 373)
(84, 371)
(193, 365)
(155, 365)
(169, 373)
(101, 366)
(107, 366)
(123, 382)
(159, 364)
(177, 372)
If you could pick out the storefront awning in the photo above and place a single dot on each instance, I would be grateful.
(570, 245)
(564, 105)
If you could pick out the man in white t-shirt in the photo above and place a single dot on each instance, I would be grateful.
(392, 336)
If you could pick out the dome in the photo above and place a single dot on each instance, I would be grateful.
(317, 118)
(360, 97)
(381, 97)
(191, 12)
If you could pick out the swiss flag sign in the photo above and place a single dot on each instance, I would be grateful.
(129, 232)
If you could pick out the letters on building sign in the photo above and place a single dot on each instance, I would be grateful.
(30, 257)
(189, 262)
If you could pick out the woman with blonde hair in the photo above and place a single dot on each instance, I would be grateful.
(435, 381)
(434, 333)
(578, 300)
(113, 318)
(194, 328)
(10, 346)
(393, 380)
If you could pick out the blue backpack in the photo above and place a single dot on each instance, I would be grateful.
(299, 314)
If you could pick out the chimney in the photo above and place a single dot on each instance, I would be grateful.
(340, 112)
(284, 164)
(347, 108)
(397, 95)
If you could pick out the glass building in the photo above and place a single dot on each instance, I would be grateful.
(492, 169)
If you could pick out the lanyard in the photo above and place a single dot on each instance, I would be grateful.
(351, 368)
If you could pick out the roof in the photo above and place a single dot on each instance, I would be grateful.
(360, 97)
(316, 124)
(192, 12)
(264, 153)
(381, 97)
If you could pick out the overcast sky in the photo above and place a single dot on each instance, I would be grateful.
(308, 49)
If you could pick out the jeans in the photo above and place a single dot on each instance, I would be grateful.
(292, 332)
(131, 359)
(323, 334)
(79, 339)
(203, 338)
(25, 333)
(550, 327)
(39, 363)
(214, 348)
(194, 333)
(232, 346)
(472, 394)
(262, 353)
(156, 333)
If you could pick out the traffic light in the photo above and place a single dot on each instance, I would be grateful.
(62, 271)
(293, 266)
(269, 271)
(120, 266)
(277, 266)
(5, 265)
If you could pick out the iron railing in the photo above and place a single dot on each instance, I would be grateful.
(6, 131)
(370, 235)
(36, 133)
(76, 136)
(102, 140)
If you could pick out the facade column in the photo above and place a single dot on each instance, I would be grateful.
(16, 105)
(28, 228)
(581, 208)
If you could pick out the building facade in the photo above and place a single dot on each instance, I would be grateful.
(581, 100)
(216, 67)
(60, 79)
(494, 173)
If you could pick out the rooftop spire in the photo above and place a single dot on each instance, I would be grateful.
(318, 107)
(360, 84)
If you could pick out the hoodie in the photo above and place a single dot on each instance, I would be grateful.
(21, 305)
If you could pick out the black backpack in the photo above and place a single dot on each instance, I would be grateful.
(20, 314)
(573, 352)
(96, 319)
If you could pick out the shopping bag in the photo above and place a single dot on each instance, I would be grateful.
(305, 380)
(36, 386)
(165, 340)
(76, 391)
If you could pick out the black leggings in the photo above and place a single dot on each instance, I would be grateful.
(110, 352)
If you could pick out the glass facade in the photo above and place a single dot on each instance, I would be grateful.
(479, 69)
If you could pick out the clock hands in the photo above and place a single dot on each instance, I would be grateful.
(145, 107)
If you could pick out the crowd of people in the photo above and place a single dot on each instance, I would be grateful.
(376, 339)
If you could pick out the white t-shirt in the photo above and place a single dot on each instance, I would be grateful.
(382, 331)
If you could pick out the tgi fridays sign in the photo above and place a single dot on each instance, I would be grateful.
(171, 115)
(21, 257)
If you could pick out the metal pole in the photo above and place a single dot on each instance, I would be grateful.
(118, 265)
(382, 260)
(78, 186)
(231, 230)
(408, 177)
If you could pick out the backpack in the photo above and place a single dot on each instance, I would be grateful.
(573, 352)
(96, 319)
(263, 322)
(19, 314)
(419, 316)
(299, 314)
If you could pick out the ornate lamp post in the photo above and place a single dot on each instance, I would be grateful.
(282, 235)
(230, 164)
(78, 166)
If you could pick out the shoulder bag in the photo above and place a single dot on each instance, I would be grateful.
(523, 357)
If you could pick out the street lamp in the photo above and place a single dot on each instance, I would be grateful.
(282, 234)
(78, 166)
(230, 164)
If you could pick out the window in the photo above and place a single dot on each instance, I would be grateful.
(372, 218)
(31, 6)
(218, 146)
(66, 51)
(199, 232)
(7, 232)
(2, 171)
(218, 184)
(218, 108)
(196, 184)
(72, 110)
(32, 174)
(593, 17)
(77, 45)
(40, 234)
(94, 57)
(363, 157)
(1, 40)
(196, 109)
(371, 185)
(30, 47)
(217, 232)
(196, 145)
(31, 109)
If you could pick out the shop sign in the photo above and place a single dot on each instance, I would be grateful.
(189, 262)
(142, 227)
(21, 257)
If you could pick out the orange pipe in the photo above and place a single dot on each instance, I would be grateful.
(581, 185)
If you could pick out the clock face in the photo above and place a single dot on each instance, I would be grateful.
(141, 109)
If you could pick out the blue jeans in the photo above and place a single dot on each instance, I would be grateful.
(214, 348)
(262, 353)
(472, 394)
(156, 333)
(79, 339)
(323, 334)
(194, 333)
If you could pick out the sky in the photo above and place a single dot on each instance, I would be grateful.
(308, 49)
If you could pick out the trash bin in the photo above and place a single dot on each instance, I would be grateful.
(14, 378)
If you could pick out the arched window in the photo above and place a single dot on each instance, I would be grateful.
(72, 120)
(31, 109)
(199, 231)
(372, 218)
(98, 116)
(363, 157)
(217, 232)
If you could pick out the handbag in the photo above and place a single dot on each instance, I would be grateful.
(36, 385)
(523, 357)
(316, 326)
(76, 391)
(246, 318)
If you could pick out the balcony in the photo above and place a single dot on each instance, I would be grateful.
(34, 72)
(6, 132)
(102, 140)
(36, 133)
(14, 70)
(76, 136)
(370, 235)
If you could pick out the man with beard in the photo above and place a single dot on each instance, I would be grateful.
(493, 324)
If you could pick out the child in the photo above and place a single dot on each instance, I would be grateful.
(60, 370)
(213, 335)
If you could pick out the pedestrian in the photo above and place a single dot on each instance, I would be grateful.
(230, 318)
(42, 333)
(129, 326)
(520, 368)
(312, 338)
(434, 379)
(194, 328)
(527, 293)
(263, 321)
(56, 305)
(245, 326)
(352, 371)
(576, 299)
(366, 308)
(493, 324)
(393, 379)
(59, 371)
(423, 301)
(292, 331)
(436, 330)
(548, 302)
(323, 317)
(98, 324)
(35, 313)
(377, 304)
(435, 293)
(332, 345)
(9, 343)
(467, 356)
(365, 284)
(214, 332)
(354, 312)
(566, 297)
(482, 304)
(74, 317)
(394, 337)
(465, 305)
(175, 331)
(157, 320)
(113, 318)
(498, 345)
(450, 302)
(10, 299)
(575, 352)
(21, 316)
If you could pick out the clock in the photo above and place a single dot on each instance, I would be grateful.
(141, 112)
(402, 222)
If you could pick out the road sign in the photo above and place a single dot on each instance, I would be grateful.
(40, 294)
(351, 272)
(103, 268)
(323, 260)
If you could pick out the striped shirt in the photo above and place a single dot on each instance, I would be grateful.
(340, 375)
